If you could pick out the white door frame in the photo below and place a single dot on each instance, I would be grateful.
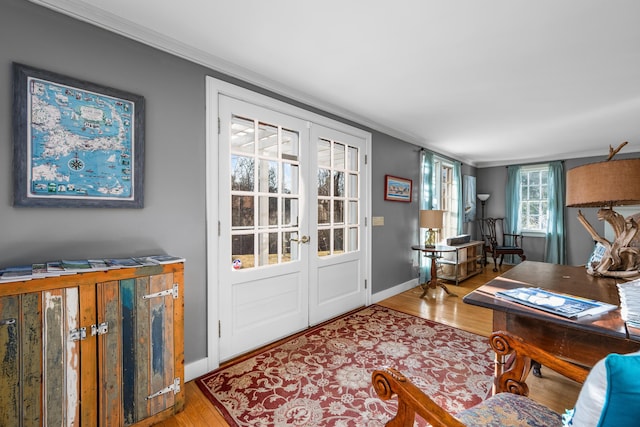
(214, 88)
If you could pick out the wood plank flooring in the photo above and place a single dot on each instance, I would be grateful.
(552, 390)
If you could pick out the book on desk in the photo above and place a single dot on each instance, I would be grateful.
(564, 305)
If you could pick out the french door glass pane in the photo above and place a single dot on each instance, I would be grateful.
(324, 152)
(242, 251)
(242, 211)
(290, 212)
(242, 135)
(324, 212)
(339, 158)
(324, 242)
(242, 169)
(353, 185)
(338, 212)
(267, 140)
(267, 211)
(290, 175)
(268, 176)
(265, 204)
(290, 145)
(338, 184)
(337, 179)
(338, 240)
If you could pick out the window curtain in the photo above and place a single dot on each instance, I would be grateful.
(555, 250)
(457, 176)
(512, 203)
(425, 202)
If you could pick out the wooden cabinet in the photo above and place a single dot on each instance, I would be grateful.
(461, 261)
(102, 348)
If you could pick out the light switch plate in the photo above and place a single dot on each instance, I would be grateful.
(377, 221)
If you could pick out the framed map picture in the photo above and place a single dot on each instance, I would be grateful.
(76, 144)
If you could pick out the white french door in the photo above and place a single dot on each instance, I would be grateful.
(337, 262)
(292, 242)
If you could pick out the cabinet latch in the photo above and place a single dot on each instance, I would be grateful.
(100, 329)
(175, 388)
(78, 334)
(173, 292)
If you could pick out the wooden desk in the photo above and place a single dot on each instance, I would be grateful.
(583, 341)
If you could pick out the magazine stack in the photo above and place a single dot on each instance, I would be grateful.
(630, 302)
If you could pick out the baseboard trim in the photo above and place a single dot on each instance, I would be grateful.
(398, 289)
(195, 369)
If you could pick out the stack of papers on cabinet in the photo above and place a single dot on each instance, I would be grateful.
(630, 302)
(564, 305)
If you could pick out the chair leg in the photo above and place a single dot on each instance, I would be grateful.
(495, 262)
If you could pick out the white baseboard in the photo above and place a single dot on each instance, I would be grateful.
(398, 289)
(195, 369)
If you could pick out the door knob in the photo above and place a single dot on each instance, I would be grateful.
(303, 239)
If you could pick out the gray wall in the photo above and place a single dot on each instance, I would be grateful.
(392, 257)
(173, 219)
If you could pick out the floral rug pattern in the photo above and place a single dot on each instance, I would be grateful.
(322, 377)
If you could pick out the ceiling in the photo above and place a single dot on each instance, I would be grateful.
(490, 82)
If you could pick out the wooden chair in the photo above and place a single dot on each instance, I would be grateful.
(499, 242)
(509, 405)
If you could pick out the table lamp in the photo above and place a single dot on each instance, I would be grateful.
(432, 221)
(605, 185)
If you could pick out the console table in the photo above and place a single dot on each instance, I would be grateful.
(583, 341)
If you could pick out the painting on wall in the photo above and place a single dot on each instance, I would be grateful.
(397, 189)
(469, 198)
(76, 144)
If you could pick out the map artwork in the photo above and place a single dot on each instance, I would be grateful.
(81, 143)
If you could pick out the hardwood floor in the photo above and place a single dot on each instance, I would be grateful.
(551, 390)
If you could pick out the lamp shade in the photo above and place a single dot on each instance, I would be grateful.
(608, 183)
(431, 219)
(483, 197)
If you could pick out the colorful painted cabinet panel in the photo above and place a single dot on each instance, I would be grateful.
(93, 352)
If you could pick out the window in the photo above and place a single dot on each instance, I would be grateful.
(445, 196)
(534, 209)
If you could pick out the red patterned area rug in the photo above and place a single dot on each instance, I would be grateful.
(322, 376)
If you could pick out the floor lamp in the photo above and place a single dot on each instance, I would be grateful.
(483, 197)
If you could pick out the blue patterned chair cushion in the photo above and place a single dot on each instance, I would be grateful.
(508, 409)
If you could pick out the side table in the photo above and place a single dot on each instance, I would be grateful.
(433, 253)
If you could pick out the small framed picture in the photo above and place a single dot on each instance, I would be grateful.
(397, 189)
(76, 144)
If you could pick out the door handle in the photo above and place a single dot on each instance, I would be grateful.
(303, 239)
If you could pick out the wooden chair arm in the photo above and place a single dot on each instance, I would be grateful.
(517, 238)
(411, 400)
(516, 355)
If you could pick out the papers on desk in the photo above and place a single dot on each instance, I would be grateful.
(568, 306)
(630, 302)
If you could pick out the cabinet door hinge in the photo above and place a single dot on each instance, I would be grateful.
(219, 126)
(78, 334)
(365, 283)
(366, 159)
(219, 329)
(175, 388)
(173, 292)
(100, 329)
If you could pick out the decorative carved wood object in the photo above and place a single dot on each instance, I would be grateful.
(607, 184)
